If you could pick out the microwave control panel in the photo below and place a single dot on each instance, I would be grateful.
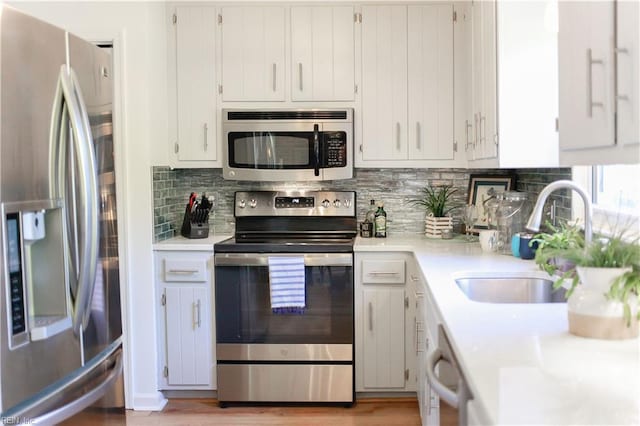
(335, 149)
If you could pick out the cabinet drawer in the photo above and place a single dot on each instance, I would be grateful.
(383, 271)
(185, 270)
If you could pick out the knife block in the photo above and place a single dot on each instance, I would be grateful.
(195, 224)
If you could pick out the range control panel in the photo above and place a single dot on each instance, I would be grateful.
(295, 203)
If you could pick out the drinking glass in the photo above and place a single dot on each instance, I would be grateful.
(469, 218)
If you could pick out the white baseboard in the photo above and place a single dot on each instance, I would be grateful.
(149, 401)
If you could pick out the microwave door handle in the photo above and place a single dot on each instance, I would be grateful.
(316, 150)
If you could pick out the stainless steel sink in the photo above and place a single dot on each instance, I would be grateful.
(511, 290)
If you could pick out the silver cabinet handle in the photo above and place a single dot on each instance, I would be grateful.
(197, 321)
(476, 138)
(398, 135)
(621, 50)
(183, 271)
(418, 138)
(300, 75)
(206, 130)
(483, 128)
(590, 63)
(274, 77)
(370, 316)
(467, 125)
(383, 273)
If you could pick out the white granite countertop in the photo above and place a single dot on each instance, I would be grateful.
(190, 244)
(520, 362)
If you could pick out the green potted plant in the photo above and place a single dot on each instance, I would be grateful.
(437, 202)
(551, 244)
(603, 293)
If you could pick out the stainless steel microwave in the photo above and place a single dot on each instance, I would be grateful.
(287, 145)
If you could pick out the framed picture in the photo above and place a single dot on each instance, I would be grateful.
(482, 188)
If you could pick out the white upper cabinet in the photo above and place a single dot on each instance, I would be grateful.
(430, 84)
(384, 83)
(253, 53)
(514, 93)
(407, 97)
(322, 53)
(194, 50)
(599, 90)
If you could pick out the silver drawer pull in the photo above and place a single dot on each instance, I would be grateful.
(384, 273)
(183, 271)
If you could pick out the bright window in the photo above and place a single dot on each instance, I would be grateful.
(615, 191)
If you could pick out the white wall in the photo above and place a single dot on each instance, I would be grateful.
(139, 32)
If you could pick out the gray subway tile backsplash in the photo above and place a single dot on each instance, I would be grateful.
(395, 187)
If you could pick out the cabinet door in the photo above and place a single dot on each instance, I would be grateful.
(384, 345)
(322, 53)
(384, 83)
(430, 85)
(187, 319)
(484, 80)
(477, 87)
(628, 72)
(488, 119)
(253, 51)
(196, 84)
(586, 80)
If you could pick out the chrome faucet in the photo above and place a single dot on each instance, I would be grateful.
(536, 216)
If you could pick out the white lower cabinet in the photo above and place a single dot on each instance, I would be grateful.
(384, 308)
(184, 281)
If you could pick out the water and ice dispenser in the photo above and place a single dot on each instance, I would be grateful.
(37, 284)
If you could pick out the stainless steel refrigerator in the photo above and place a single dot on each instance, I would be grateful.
(60, 322)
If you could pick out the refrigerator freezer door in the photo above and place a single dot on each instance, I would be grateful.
(73, 393)
(32, 53)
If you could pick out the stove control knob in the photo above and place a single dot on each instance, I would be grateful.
(242, 204)
(347, 203)
(337, 203)
(326, 203)
(253, 203)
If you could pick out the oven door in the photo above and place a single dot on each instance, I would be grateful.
(276, 151)
(248, 329)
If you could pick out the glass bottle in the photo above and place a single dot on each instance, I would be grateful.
(380, 221)
(371, 213)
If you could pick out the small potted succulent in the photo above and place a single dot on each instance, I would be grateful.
(437, 202)
(604, 287)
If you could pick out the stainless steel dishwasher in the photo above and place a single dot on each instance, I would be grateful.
(456, 393)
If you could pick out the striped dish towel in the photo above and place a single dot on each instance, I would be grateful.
(286, 282)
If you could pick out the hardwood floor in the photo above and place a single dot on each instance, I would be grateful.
(193, 412)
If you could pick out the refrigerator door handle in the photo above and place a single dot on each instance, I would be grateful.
(88, 204)
(77, 405)
(104, 368)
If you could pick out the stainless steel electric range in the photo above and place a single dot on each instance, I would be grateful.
(303, 354)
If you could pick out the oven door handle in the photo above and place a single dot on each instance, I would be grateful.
(261, 259)
(316, 149)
